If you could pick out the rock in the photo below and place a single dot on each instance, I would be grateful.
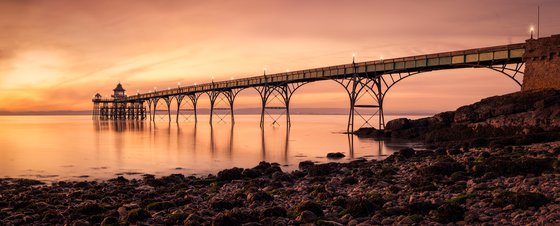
(177, 217)
(305, 165)
(322, 169)
(450, 212)
(262, 166)
(360, 207)
(252, 173)
(416, 218)
(237, 216)
(398, 124)
(442, 167)
(276, 211)
(228, 175)
(157, 206)
(522, 200)
(306, 216)
(89, 208)
(259, 196)
(335, 155)
(406, 152)
(221, 204)
(27, 182)
(136, 215)
(109, 221)
(310, 206)
(517, 118)
(511, 167)
(349, 180)
(328, 223)
(406, 221)
(454, 151)
(193, 220)
(281, 176)
(119, 179)
(422, 208)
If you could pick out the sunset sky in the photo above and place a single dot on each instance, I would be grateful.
(54, 55)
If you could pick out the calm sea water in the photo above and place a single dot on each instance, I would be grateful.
(51, 148)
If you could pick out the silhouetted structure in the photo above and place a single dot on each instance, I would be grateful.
(375, 78)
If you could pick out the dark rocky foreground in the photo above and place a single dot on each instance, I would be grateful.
(514, 184)
(513, 119)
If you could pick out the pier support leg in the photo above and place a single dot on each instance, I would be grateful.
(282, 93)
(194, 99)
(357, 87)
(222, 96)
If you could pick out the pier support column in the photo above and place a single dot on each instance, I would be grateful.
(361, 86)
(226, 96)
(194, 100)
(282, 93)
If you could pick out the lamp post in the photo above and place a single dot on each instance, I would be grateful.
(532, 30)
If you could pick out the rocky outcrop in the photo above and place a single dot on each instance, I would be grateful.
(521, 118)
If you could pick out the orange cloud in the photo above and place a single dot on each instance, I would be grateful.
(55, 54)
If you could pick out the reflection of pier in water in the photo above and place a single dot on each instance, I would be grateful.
(221, 142)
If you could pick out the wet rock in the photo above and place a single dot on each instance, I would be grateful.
(522, 200)
(322, 169)
(157, 206)
(454, 151)
(252, 173)
(306, 216)
(310, 206)
(235, 217)
(349, 180)
(230, 174)
(193, 220)
(220, 204)
(450, 212)
(259, 196)
(27, 182)
(262, 166)
(281, 176)
(360, 207)
(119, 179)
(335, 155)
(89, 208)
(328, 223)
(109, 221)
(136, 215)
(305, 165)
(406, 152)
(422, 208)
(177, 217)
(275, 211)
(442, 167)
(416, 218)
(510, 167)
(174, 179)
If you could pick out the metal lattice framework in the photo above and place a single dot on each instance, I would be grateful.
(282, 94)
(366, 83)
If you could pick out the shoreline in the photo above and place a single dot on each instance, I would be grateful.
(469, 186)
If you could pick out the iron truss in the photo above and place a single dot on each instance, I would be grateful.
(366, 92)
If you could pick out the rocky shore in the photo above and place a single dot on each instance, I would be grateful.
(513, 119)
(501, 185)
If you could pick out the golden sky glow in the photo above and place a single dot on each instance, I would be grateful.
(54, 55)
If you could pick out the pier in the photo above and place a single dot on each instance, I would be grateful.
(532, 62)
